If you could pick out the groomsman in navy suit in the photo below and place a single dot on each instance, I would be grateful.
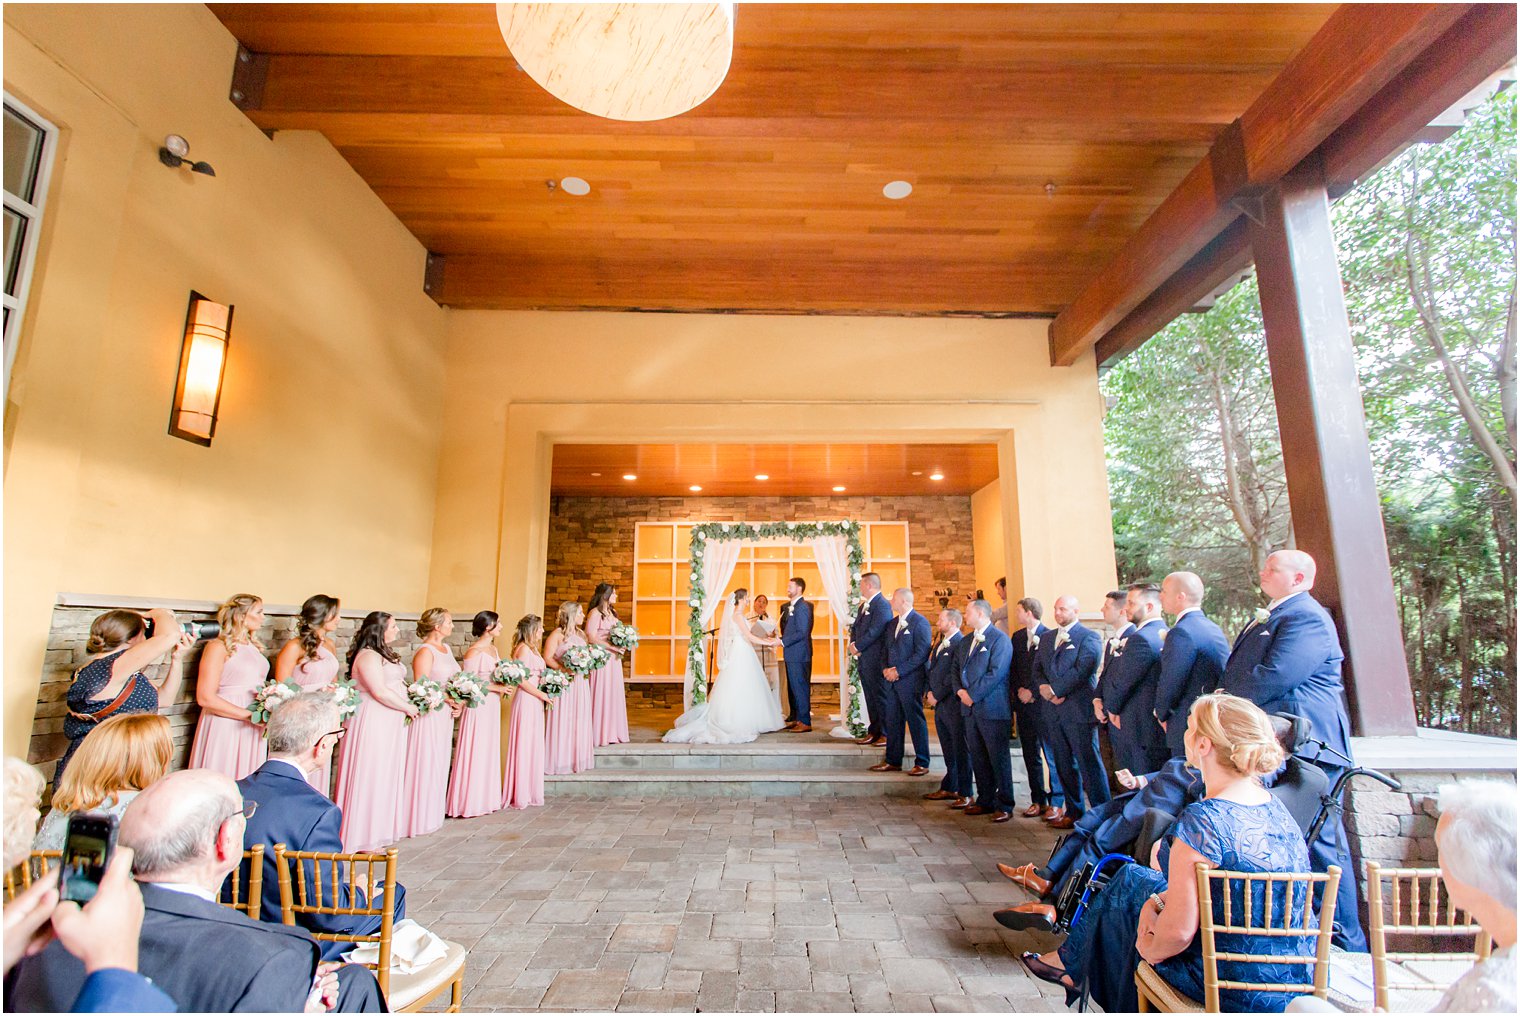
(1066, 667)
(868, 643)
(984, 693)
(797, 652)
(1029, 708)
(907, 675)
(945, 663)
(1192, 657)
(1129, 685)
(1116, 616)
(1288, 660)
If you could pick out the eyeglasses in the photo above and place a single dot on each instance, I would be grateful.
(247, 810)
(335, 733)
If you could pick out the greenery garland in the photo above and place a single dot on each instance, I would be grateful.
(696, 672)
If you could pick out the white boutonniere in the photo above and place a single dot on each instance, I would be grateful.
(1262, 615)
(1163, 634)
(1062, 639)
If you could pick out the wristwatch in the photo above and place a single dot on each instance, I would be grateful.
(1160, 903)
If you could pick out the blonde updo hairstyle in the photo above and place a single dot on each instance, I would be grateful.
(430, 621)
(1240, 733)
(231, 615)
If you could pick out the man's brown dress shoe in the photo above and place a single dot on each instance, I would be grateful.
(878, 741)
(1033, 811)
(1064, 822)
(864, 740)
(885, 767)
(799, 728)
(964, 802)
(1052, 813)
(918, 770)
(1002, 816)
(1024, 875)
(942, 795)
(977, 809)
(1028, 917)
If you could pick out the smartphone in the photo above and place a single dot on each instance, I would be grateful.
(87, 848)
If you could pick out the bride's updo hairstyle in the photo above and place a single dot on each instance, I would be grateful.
(1240, 732)
(739, 595)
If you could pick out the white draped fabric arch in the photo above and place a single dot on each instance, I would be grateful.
(833, 556)
(719, 558)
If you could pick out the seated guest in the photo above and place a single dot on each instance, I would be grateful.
(120, 757)
(1143, 914)
(186, 832)
(302, 735)
(1475, 839)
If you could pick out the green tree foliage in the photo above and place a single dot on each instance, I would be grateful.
(1427, 247)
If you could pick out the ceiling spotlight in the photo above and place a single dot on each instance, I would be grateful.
(762, 476)
(839, 490)
(575, 185)
(918, 472)
(174, 153)
(936, 476)
(1050, 189)
(897, 190)
(596, 474)
(694, 489)
(630, 476)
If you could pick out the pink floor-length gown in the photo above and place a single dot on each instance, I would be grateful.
(426, 785)
(524, 781)
(234, 747)
(609, 709)
(475, 785)
(314, 675)
(567, 739)
(373, 766)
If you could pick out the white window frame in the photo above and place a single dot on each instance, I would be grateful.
(33, 212)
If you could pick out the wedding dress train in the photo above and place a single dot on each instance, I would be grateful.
(741, 706)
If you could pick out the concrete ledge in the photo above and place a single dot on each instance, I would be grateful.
(1435, 751)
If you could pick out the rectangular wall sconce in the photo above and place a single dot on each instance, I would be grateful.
(202, 364)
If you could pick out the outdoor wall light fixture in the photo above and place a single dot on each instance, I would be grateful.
(202, 365)
(174, 153)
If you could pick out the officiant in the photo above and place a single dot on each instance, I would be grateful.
(762, 626)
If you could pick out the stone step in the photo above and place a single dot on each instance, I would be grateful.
(845, 756)
(622, 782)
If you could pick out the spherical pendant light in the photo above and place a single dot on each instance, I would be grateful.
(623, 61)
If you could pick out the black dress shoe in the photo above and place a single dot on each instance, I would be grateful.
(1028, 917)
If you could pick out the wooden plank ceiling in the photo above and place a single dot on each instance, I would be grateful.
(790, 470)
(767, 197)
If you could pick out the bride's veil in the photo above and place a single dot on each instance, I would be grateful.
(728, 632)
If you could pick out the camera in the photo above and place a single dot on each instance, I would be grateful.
(197, 630)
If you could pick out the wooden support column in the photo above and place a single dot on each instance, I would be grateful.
(1336, 514)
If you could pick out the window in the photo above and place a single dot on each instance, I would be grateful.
(662, 582)
(28, 158)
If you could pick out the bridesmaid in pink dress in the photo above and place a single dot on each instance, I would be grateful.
(525, 731)
(432, 736)
(609, 709)
(475, 785)
(370, 784)
(232, 668)
(569, 727)
(311, 660)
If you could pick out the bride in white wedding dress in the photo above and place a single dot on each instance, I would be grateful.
(742, 705)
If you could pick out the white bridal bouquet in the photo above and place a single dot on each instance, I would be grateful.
(600, 656)
(426, 695)
(468, 689)
(580, 660)
(271, 697)
(345, 695)
(624, 636)
(553, 684)
(511, 673)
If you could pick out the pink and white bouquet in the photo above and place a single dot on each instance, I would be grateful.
(553, 684)
(624, 636)
(511, 673)
(601, 656)
(345, 695)
(468, 689)
(580, 660)
(427, 696)
(271, 697)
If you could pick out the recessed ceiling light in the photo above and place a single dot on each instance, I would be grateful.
(694, 488)
(762, 476)
(839, 490)
(918, 472)
(897, 190)
(936, 476)
(575, 186)
(630, 476)
(596, 474)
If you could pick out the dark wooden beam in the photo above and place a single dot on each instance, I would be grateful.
(250, 73)
(1477, 46)
(1337, 517)
(1358, 52)
(432, 276)
(1227, 255)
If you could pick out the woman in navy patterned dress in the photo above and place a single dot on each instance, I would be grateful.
(1143, 914)
(111, 682)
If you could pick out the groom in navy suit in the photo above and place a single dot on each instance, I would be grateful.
(1288, 660)
(868, 643)
(907, 674)
(797, 652)
(1192, 658)
(302, 735)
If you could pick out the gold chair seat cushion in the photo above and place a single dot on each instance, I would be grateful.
(1168, 998)
(407, 989)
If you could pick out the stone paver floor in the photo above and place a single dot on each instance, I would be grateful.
(722, 905)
